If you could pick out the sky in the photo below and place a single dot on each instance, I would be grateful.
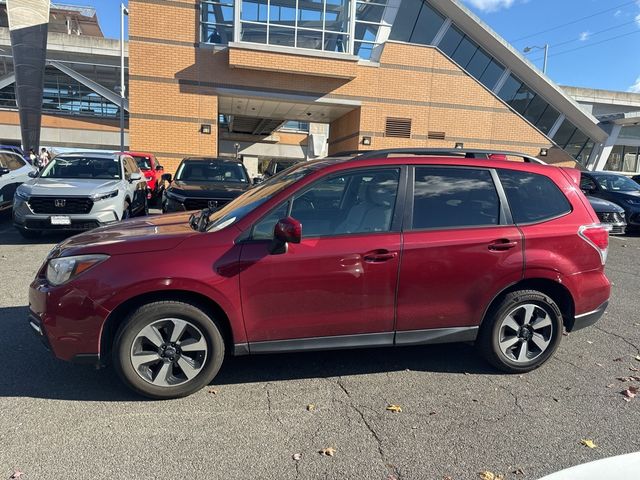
(592, 43)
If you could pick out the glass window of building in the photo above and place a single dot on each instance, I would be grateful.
(217, 20)
(510, 88)
(630, 132)
(369, 18)
(465, 51)
(614, 162)
(450, 41)
(427, 25)
(547, 120)
(564, 133)
(576, 145)
(522, 98)
(535, 109)
(478, 63)
(491, 74)
(405, 20)
(313, 24)
(630, 159)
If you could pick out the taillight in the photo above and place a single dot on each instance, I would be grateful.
(598, 237)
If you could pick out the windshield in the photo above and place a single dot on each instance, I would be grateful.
(204, 171)
(144, 163)
(252, 199)
(83, 167)
(617, 183)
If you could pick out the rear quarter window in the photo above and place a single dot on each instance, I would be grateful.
(533, 197)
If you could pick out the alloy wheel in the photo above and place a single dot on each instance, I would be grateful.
(169, 352)
(525, 333)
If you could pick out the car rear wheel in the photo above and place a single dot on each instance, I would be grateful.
(521, 332)
(168, 350)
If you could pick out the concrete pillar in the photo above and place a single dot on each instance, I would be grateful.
(605, 150)
(251, 164)
(28, 27)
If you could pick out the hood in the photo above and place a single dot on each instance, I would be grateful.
(208, 189)
(604, 206)
(68, 186)
(148, 234)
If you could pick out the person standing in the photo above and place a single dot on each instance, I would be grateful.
(33, 158)
(44, 158)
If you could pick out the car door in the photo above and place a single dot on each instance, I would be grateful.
(459, 251)
(17, 174)
(134, 187)
(340, 280)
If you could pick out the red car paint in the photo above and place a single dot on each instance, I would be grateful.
(322, 287)
(154, 174)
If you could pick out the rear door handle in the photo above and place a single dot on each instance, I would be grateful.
(379, 256)
(502, 244)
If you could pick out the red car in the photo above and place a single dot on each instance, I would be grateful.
(334, 253)
(152, 172)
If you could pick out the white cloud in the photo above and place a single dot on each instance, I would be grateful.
(635, 88)
(584, 36)
(618, 13)
(638, 19)
(491, 5)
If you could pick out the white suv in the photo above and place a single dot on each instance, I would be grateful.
(80, 191)
(14, 170)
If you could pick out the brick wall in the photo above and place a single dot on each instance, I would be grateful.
(174, 86)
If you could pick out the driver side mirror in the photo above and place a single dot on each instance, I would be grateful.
(4, 171)
(134, 177)
(32, 174)
(589, 190)
(166, 177)
(287, 230)
(159, 167)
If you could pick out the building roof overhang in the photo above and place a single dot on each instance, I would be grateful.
(472, 25)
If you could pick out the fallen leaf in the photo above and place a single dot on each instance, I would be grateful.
(213, 391)
(630, 393)
(518, 471)
(394, 408)
(589, 342)
(634, 369)
(491, 476)
(611, 385)
(637, 357)
(599, 365)
(565, 334)
(311, 407)
(432, 413)
(16, 474)
(328, 452)
(588, 443)
(619, 359)
(297, 456)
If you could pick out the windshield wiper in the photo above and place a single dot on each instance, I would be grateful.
(199, 221)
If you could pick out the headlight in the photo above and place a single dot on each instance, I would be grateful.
(101, 196)
(21, 194)
(63, 269)
(173, 196)
(632, 201)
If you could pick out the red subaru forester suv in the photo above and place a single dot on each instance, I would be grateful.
(335, 253)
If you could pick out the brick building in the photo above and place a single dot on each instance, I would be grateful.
(206, 75)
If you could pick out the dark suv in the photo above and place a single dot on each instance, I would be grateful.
(334, 253)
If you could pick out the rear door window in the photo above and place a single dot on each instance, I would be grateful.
(446, 197)
(533, 197)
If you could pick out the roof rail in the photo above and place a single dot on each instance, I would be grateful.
(456, 152)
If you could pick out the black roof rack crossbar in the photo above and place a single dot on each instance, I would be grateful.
(457, 152)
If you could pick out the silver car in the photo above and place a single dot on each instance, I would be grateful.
(14, 170)
(80, 191)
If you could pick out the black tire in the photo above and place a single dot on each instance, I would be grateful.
(126, 211)
(491, 330)
(144, 210)
(146, 315)
(29, 234)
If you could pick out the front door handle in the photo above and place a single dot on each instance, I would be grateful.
(502, 244)
(379, 256)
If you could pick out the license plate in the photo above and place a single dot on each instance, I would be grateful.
(60, 220)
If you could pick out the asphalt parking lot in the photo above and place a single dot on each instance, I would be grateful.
(459, 417)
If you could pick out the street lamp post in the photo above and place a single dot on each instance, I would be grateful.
(546, 54)
(123, 11)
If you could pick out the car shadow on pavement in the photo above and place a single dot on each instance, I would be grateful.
(29, 370)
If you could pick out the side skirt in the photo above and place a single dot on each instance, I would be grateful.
(386, 339)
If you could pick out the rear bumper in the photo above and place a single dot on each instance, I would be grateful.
(589, 318)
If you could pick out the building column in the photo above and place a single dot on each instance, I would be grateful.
(604, 151)
(28, 27)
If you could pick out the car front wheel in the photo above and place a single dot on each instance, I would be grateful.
(521, 332)
(168, 349)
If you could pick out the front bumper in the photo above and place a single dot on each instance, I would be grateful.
(615, 220)
(589, 318)
(23, 217)
(66, 320)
